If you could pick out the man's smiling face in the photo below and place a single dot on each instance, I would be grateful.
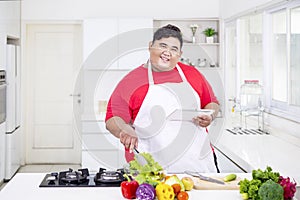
(164, 53)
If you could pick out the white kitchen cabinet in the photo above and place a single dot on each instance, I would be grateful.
(99, 141)
(99, 147)
(10, 25)
(94, 159)
(2, 151)
(10, 18)
(3, 41)
(131, 24)
(96, 137)
(98, 86)
(116, 43)
(93, 126)
(112, 47)
(134, 38)
(95, 33)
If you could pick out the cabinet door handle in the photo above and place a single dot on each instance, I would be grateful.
(75, 95)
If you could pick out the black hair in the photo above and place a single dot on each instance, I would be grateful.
(168, 31)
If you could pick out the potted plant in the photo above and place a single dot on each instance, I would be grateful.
(209, 33)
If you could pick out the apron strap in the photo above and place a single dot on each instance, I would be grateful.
(181, 73)
(150, 74)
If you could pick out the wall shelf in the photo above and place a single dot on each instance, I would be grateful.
(199, 50)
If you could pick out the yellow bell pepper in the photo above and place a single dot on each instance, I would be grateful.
(164, 192)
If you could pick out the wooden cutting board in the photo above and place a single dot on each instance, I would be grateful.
(205, 185)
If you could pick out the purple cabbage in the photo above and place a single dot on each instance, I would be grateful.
(145, 191)
(288, 186)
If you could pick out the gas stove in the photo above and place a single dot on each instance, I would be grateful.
(82, 178)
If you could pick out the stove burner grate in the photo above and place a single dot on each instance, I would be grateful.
(108, 177)
(73, 177)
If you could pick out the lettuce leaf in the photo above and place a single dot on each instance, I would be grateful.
(151, 166)
(148, 173)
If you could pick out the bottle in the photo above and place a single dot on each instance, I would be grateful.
(251, 96)
(201, 62)
(185, 61)
(212, 64)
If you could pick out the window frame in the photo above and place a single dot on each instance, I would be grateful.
(284, 110)
(278, 108)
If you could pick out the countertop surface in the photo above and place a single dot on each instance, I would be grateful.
(253, 151)
(26, 186)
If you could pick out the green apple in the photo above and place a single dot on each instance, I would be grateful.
(188, 183)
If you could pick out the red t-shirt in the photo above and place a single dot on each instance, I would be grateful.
(130, 93)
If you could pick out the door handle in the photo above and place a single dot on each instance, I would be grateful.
(75, 95)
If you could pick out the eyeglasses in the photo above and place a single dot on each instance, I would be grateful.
(164, 47)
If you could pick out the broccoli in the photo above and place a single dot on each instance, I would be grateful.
(249, 188)
(270, 191)
(265, 175)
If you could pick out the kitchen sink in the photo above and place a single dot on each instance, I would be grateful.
(241, 131)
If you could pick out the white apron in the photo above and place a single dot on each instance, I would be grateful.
(176, 145)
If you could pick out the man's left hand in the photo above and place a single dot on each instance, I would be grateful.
(203, 120)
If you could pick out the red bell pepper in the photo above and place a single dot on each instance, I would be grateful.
(129, 188)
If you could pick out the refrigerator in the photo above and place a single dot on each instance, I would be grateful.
(2, 122)
(13, 112)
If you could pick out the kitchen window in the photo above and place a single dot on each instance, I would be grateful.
(295, 56)
(279, 57)
(250, 48)
(243, 56)
(284, 62)
(267, 49)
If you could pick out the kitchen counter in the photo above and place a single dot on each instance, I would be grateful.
(261, 150)
(26, 186)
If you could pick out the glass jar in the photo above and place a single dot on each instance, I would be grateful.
(251, 95)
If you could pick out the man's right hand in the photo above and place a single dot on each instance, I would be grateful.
(125, 132)
(128, 137)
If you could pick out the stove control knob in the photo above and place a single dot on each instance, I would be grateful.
(51, 180)
(55, 174)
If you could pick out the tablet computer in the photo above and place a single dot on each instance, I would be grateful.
(188, 115)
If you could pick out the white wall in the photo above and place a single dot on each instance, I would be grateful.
(234, 7)
(10, 18)
(83, 9)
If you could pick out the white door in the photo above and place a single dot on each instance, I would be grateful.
(53, 56)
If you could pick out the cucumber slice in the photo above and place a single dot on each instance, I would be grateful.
(229, 177)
